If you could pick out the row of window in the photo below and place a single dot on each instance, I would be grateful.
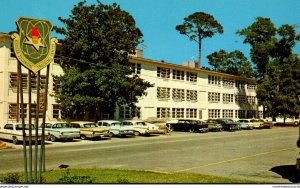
(176, 74)
(165, 113)
(13, 81)
(214, 97)
(227, 113)
(13, 111)
(177, 94)
(230, 83)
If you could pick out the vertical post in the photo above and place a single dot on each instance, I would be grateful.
(18, 96)
(37, 125)
(30, 127)
(23, 124)
(42, 153)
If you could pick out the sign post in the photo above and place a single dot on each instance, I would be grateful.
(34, 50)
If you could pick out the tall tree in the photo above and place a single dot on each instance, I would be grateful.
(95, 59)
(198, 26)
(277, 66)
(232, 63)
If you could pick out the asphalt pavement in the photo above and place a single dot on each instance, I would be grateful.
(267, 155)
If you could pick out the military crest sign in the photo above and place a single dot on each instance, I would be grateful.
(32, 45)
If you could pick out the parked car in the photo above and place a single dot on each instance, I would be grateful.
(213, 125)
(90, 130)
(14, 132)
(116, 128)
(257, 123)
(61, 131)
(228, 124)
(141, 127)
(268, 124)
(245, 124)
(188, 125)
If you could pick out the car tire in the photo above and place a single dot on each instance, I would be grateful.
(191, 130)
(52, 138)
(171, 128)
(111, 134)
(298, 143)
(15, 140)
(137, 133)
(83, 137)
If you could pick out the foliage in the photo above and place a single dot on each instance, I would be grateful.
(278, 70)
(95, 59)
(198, 26)
(232, 63)
(12, 177)
(68, 178)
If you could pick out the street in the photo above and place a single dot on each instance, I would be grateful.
(260, 155)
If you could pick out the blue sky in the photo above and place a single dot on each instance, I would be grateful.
(157, 20)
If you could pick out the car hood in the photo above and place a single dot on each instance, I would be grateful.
(98, 129)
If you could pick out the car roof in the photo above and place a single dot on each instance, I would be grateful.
(133, 121)
(109, 121)
(83, 122)
(53, 122)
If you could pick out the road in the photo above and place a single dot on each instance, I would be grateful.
(265, 155)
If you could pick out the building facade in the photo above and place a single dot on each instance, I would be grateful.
(178, 92)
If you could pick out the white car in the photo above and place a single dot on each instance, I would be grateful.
(116, 128)
(245, 124)
(141, 127)
(13, 132)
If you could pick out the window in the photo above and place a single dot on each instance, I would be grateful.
(163, 72)
(240, 114)
(227, 98)
(126, 112)
(34, 81)
(178, 75)
(56, 84)
(214, 80)
(251, 86)
(55, 111)
(178, 94)
(33, 111)
(213, 97)
(177, 112)
(13, 80)
(192, 95)
(251, 113)
(251, 99)
(191, 113)
(12, 114)
(227, 113)
(163, 93)
(240, 84)
(163, 112)
(213, 113)
(191, 76)
(228, 83)
(136, 68)
(240, 99)
(9, 127)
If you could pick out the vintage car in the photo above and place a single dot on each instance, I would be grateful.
(257, 123)
(268, 124)
(188, 125)
(141, 127)
(228, 124)
(90, 130)
(14, 132)
(245, 124)
(213, 125)
(61, 131)
(116, 128)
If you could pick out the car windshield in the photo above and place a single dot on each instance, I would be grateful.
(116, 124)
(140, 123)
(27, 126)
(89, 125)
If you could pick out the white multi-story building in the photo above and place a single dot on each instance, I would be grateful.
(178, 92)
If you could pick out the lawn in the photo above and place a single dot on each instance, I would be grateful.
(117, 176)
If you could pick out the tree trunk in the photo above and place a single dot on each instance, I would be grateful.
(199, 53)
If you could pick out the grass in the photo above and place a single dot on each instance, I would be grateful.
(116, 176)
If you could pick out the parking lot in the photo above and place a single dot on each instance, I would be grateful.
(266, 155)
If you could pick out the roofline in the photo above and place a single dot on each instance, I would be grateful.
(186, 68)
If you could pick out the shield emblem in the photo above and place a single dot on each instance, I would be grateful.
(33, 46)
